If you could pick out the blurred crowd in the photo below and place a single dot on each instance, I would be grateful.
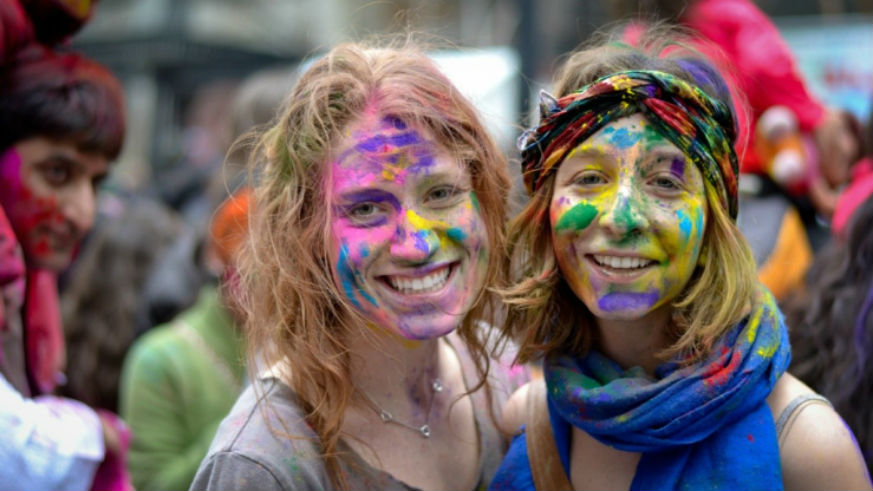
(119, 311)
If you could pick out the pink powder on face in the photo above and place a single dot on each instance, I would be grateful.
(397, 215)
(31, 216)
(10, 169)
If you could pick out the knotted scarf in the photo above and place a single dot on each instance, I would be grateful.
(699, 125)
(704, 425)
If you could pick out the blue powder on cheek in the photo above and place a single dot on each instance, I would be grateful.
(684, 224)
(456, 234)
(614, 302)
(348, 277)
(700, 231)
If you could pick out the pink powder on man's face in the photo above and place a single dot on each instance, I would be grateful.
(32, 217)
(10, 169)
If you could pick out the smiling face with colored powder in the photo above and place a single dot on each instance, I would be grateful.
(409, 247)
(628, 216)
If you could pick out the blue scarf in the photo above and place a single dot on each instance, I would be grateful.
(705, 425)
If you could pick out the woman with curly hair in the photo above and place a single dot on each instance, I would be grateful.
(378, 214)
(664, 359)
(832, 332)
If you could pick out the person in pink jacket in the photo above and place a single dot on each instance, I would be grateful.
(762, 73)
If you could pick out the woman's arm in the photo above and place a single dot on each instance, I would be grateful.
(817, 449)
(515, 411)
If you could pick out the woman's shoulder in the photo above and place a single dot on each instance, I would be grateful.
(816, 448)
(264, 443)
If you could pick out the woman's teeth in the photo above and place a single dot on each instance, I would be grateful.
(621, 262)
(424, 284)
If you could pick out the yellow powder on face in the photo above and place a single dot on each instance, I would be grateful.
(437, 226)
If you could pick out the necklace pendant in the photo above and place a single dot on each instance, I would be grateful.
(425, 431)
(386, 416)
(437, 386)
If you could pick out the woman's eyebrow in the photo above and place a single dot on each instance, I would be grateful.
(667, 156)
(370, 195)
(586, 151)
(448, 177)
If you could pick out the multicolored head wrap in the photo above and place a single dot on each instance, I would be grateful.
(699, 125)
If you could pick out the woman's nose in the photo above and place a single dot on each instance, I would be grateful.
(624, 216)
(414, 240)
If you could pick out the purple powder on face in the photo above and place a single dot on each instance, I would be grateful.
(616, 302)
(677, 168)
(371, 196)
(424, 161)
(378, 142)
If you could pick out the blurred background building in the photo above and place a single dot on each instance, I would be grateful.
(181, 60)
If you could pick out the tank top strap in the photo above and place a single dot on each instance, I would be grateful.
(793, 409)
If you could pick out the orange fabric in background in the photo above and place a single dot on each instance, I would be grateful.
(230, 225)
(786, 266)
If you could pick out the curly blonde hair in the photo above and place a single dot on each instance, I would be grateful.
(544, 315)
(295, 313)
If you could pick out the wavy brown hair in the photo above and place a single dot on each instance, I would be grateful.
(543, 314)
(832, 326)
(296, 314)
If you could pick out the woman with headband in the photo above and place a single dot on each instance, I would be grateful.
(663, 357)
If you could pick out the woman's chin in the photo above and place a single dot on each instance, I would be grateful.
(421, 328)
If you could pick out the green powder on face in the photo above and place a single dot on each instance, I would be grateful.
(577, 218)
(475, 201)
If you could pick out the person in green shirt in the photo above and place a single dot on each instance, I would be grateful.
(180, 379)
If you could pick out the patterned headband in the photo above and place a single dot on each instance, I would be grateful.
(700, 126)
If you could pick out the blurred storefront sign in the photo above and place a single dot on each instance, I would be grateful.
(835, 54)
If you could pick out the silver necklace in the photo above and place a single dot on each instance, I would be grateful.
(386, 416)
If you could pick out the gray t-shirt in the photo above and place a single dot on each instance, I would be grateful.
(265, 444)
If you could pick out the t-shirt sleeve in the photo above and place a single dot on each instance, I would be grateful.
(231, 471)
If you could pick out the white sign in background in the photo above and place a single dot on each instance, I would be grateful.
(835, 54)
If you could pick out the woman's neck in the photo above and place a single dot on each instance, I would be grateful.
(387, 367)
(635, 342)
